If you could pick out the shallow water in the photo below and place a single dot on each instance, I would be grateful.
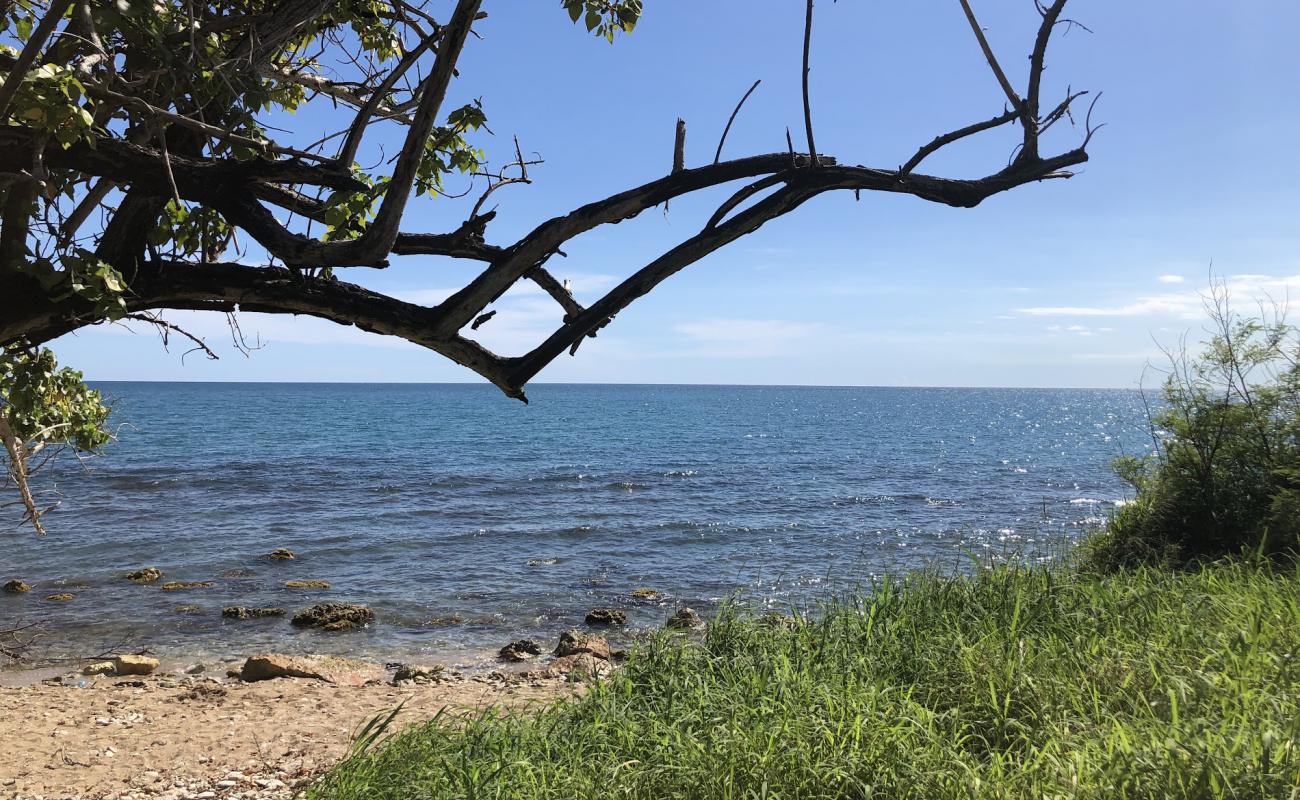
(466, 519)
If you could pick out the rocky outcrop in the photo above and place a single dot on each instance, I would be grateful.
(134, 665)
(61, 597)
(334, 617)
(17, 587)
(604, 617)
(579, 666)
(245, 612)
(685, 619)
(646, 594)
(178, 586)
(331, 669)
(410, 673)
(145, 575)
(307, 584)
(99, 668)
(521, 650)
(281, 554)
(575, 642)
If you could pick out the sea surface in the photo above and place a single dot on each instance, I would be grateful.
(466, 520)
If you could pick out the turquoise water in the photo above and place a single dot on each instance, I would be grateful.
(466, 519)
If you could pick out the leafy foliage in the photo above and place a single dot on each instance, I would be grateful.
(42, 408)
(1225, 476)
(1016, 683)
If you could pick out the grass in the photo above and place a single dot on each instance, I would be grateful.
(1042, 683)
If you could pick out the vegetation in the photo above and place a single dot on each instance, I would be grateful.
(44, 409)
(1013, 683)
(1225, 473)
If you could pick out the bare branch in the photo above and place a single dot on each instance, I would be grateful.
(723, 140)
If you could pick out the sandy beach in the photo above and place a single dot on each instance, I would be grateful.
(198, 737)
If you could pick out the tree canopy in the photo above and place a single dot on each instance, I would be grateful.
(141, 170)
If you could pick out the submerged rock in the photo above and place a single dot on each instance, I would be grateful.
(646, 594)
(415, 674)
(244, 612)
(134, 665)
(145, 575)
(187, 609)
(685, 619)
(177, 586)
(331, 669)
(307, 584)
(281, 554)
(606, 617)
(61, 597)
(575, 642)
(521, 650)
(238, 573)
(17, 587)
(334, 616)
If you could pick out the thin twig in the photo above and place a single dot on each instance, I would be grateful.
(718, 155)
(807, 105)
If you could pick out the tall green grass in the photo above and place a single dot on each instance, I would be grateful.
(1017, 683)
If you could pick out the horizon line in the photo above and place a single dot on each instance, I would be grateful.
(616, 383)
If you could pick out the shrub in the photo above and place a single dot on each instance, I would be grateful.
(1225, 472)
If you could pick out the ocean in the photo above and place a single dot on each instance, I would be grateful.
(467, 520)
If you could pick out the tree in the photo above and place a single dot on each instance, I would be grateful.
(136, 142)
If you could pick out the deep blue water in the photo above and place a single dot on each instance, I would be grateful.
(466, 519)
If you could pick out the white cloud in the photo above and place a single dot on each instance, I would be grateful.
(1170, 279)
(1244, 291)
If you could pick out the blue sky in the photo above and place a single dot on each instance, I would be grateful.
(1069, 283)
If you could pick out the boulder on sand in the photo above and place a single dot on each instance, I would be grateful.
(521, 650)
(99, 668)
(331, 669)
(17, 587)
(578, 666)
(417, 674)
(575, 642)
(145, 575)
(244, 612)
(134, 665)
(334, 616)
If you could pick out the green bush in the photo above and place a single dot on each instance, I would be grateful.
(1225, 474)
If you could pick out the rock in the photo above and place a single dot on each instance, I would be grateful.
(330, 669)
(187, 609)
(575, 642)
(281, 554)
(521, 650)
(685, 619)
(196, 669)
(244, 612)
(61, 597)
(646, 594)
(416, 674)
(606, 617)
(309, 584)
(134, 665)
(100, 668)
(334, 616)
(176, 586)
(17, 587)
(238, 573)
(579, 665)
(146, 575)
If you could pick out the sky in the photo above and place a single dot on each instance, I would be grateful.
(1072, 283)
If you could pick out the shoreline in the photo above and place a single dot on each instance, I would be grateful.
(174, 735)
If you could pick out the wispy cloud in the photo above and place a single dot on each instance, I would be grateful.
(1187, 304)
(1170, 279)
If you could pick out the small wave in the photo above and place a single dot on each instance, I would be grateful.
(943, 502)
(542, 562)
(387, 488)
(682, 473)
(1086, 501)
(627, 486)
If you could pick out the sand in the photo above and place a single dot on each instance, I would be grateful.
(178, 737)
